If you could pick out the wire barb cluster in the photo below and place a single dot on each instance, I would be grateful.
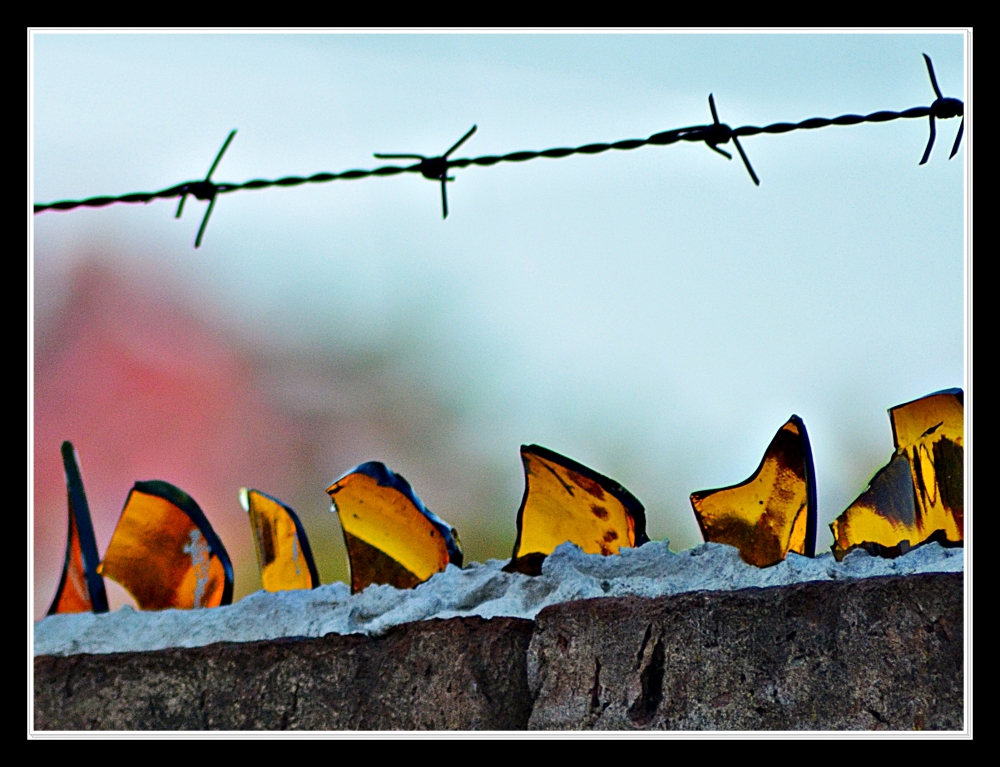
(437, 168)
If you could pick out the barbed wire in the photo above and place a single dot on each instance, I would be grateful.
(437, 168)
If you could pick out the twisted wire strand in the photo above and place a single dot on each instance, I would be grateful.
(207, 189)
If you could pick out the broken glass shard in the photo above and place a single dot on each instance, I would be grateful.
(81, 587)
(391, 537)
(774, 511)
(165, 553)
(567, 501)
(283, 552)
(919, 495)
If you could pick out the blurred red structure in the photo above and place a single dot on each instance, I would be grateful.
(146, 387)
(144, 390)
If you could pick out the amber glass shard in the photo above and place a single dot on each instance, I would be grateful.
(391, 536)
(283, 552)
(81, 587)
(165, 553)
(567, 501)
(774, 511)
(919, 496)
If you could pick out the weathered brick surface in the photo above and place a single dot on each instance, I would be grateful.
(881, 653)
(884, 653)
(466, 673)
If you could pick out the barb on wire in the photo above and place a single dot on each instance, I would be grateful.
(433, 168)
(942, 108)
(437, 168)
(204, 190)
(720, 133)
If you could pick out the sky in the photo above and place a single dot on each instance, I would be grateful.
(652, 314)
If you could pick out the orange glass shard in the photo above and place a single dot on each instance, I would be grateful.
(81, 587)
(774, 511)
(165, 553)
(919, 496)
(283, 552)
(567, 501)
(391, 536)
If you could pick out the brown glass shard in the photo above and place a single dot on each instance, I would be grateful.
(391, 537)
(529, 564)
(81, 587)
(283, 551)
(165, 553)
(919, 496)
(371, 565)
(567, 501)
(774, 511)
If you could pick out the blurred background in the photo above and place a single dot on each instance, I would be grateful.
(651, 313)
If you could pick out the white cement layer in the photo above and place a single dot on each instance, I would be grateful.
(480, 589)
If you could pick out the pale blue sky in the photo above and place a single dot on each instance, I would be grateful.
(650, 313)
